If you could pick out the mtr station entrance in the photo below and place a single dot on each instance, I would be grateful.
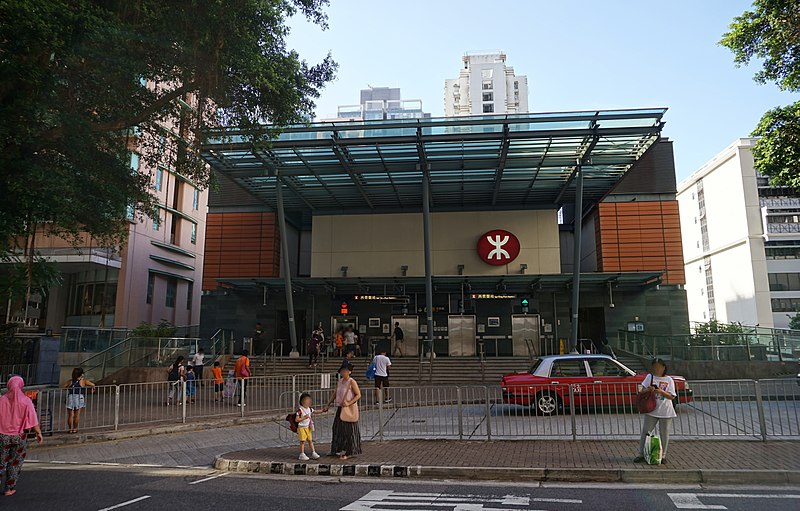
(465, 232)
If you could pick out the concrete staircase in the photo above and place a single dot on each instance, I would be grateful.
(405, 371)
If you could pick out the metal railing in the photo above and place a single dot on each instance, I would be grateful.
(90, 339)
(27, 371)
(733, 409)
(145, 352)
(712, 346)
(109, 407)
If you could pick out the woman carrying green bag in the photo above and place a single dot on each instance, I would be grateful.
(664, 388)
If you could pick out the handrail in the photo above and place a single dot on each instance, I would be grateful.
(156, 350)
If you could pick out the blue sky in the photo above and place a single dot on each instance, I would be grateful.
(578, 55)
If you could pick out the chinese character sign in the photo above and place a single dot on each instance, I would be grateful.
(498, 247)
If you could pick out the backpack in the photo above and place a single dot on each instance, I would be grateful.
(371, 370)
(292, 420)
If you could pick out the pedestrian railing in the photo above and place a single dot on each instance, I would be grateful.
(109, 407)
(732, 409)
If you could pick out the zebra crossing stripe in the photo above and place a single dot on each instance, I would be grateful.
(388, 500)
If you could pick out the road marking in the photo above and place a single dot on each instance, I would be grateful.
(208, 478)
(692, 500)
(128, 503)
(388, 500)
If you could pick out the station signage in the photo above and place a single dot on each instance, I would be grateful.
(498, 247)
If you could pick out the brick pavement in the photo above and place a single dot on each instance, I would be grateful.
(612, 454)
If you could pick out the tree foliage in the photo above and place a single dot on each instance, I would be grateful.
(770, 33)
(85, 82)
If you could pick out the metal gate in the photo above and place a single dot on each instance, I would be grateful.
(525, 335)
(461, 336)
(410, 327)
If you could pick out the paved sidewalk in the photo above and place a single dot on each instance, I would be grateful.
(611, 454)
(699, 462)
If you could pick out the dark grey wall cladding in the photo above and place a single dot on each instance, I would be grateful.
(229, 194)
(663, 311)
(654, 173)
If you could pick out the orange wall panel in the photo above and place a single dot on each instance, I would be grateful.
(240, 245)
(640, 236)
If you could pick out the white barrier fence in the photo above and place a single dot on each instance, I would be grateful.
(113, 406)
(732, 409)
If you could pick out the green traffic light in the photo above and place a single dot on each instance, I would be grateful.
(524, 301)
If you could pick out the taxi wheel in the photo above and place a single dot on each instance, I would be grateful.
(547, 403)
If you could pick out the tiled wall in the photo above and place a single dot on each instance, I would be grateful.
(640, 236)
(241, 245)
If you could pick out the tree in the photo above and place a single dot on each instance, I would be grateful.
(794, 321)
(87, 82)
(770, 33)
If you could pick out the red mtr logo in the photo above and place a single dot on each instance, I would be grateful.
(498, 247)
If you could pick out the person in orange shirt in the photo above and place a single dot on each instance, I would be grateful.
(241, 370)
(339, 343)
(219, 383)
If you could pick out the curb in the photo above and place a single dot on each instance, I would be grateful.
(583, 475)
(60, 440)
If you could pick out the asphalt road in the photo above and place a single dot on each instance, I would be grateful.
(46, 487)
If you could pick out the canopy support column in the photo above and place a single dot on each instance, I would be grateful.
(285, 267)
(426, 229)
(576, 258)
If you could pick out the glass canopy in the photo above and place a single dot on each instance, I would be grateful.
(522, 161)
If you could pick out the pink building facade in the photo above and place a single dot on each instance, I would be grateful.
(156, 275)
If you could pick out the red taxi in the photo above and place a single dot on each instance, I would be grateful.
(592, 380)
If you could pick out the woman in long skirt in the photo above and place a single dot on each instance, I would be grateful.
(346, 439)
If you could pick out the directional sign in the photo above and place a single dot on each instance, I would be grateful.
(388, 499)
(692, 500)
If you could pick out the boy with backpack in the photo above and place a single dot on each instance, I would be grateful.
(304, 426)
(191, 384)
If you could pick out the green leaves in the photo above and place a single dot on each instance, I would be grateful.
(771, 34)
(86, 82)
(777, 151)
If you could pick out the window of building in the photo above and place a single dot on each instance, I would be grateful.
(156, 223)
(189, 293)
(135, 163)
(783, 252)
(487, 85)
(488, 108)
(486, 73)
(159, 178)
(172, 291)
(194, 234)
(516, 85)
(93, 298)
(196, 199)
(488, 96)
(151, 283)
(784, 281)
(786, 305)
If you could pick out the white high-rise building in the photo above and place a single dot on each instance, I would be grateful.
(485, 86)
(741, 242)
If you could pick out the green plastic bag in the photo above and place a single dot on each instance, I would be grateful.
(652, 449)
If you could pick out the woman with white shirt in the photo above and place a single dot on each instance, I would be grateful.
(664, 387)
(197, 362)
